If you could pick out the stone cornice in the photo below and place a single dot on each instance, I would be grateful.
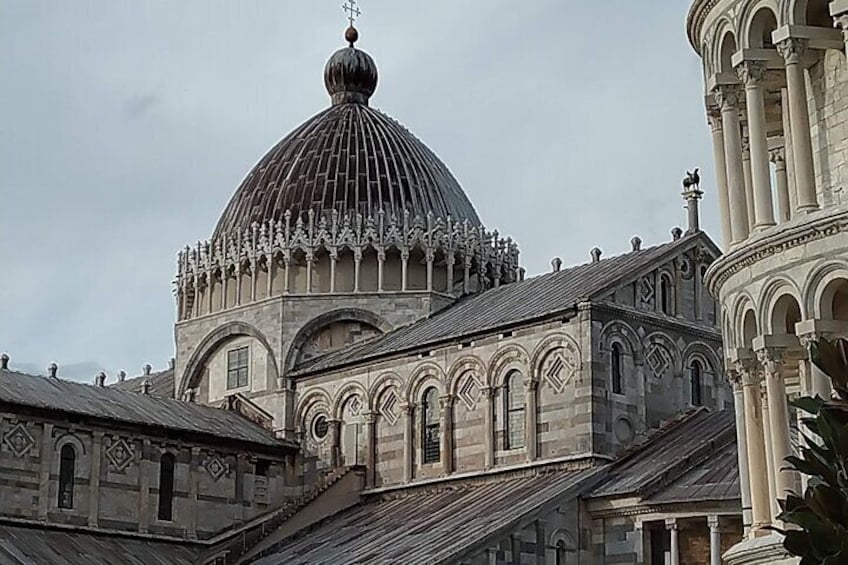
(695, 21)
(774, 241)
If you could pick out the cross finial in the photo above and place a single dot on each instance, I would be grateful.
(352, 10)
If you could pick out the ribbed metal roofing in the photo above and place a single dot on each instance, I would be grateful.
(128, 407)
(350, 158)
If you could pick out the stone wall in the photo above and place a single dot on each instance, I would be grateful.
(828, 104)
(116, 474)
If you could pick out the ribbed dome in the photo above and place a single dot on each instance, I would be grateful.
(349, 158)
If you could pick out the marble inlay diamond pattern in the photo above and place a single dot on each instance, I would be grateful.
(18, 440)
(215, 467)
(469, 391)
(389, 407)
(658, 361)
(558, 370)
(120, 454)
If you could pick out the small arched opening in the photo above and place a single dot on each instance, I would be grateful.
(762, 26)
(166, 487)
(67, 471)
(615, 368)
(695, 384)
(749, 328)
(431, 450)
(513, 411)
(785, 314)
(834, 301)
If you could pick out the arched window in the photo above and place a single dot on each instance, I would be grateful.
(560, 552)
(513, 411)
(430, 426)
(615, 368)
(166, 486)
(665, 295)
(67, 464)
(695, 381)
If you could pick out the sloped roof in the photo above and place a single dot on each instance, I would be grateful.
(161, 384)
(675, 451)
(116, 405)
(421, 526)
(715, 478)
(508, 305)
(22, 545)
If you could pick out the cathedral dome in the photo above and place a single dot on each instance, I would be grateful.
(349, 158)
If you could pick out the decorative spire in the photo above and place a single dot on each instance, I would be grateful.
(350, 75)
(352, 11)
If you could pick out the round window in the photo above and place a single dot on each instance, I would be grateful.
(320, 427)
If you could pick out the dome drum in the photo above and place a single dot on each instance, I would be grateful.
(341, 255)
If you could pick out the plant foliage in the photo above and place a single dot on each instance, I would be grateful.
(820, 516)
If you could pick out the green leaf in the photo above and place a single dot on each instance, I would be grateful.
(808, 404)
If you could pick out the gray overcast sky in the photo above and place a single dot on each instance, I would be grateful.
(126, 125)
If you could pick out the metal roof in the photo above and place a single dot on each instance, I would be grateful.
(161, 384)
(418, 526)
(505, 306)
(39, 545)
(685, 447)
(139, 409)
(716, 478)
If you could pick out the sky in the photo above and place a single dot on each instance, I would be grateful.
(126, 126)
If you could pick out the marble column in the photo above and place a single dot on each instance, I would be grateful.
(381, 261)
(715, 540)
(717, 131)
(430, 257)
(446, 403)
(357, 266)
(749, 183)
(371, 449)
(489, 423)
(777, 156)
(788, 154)
(741, 451)
(335, 443)
(767, 442)
(818, 383)
(757, 470)
(671, 526)
(408, 439)
(728, 100)
(404, 269)
(531, 386)
(334, 257)
(752, 74)
(773, 364)
(94, 480)
(310, 260)
(792, 50)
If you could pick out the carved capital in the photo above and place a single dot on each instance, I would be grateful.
(370, 417)
(778, 156)
(751, 73)
(531, 385)
(734, 378)
(446, 402)
(714, 120)
(792, 49)
(771, 360)
(727, 96)
(749, 370)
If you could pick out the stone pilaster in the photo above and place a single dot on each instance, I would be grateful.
(94, 479)
(531, 387)
(446, 404)
(727, 98)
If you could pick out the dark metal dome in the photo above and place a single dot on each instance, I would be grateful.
(349, 158)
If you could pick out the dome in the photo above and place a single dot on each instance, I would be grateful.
(351, 159)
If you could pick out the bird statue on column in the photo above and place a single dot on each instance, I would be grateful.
(692, 180)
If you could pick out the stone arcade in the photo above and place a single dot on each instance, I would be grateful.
(364, 375)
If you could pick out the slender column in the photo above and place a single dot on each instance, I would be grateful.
(451, 262)
(752, 73)
(466, 281)
(772, 362)
(530, 388)
(760, 512)
(741, 450)
(286, 272)
(196, 305)
(404, 269)
(194, 465)
(46, 456)
(269, 263)
(371, 447)
(357, 265)
(717, 131)
(671, 526)
(335, 443)
(408, 449)
(381, 261)
(819, 382)
(715, 540)
(210, 284)
(749, 183)
(94, 480)
(788, 153)
(696, 278)
(792, 50)
(727, 98)
(489, 423)
(430, 257)
(767, 442)
(333, 259)
(777, 157)
(254, 278)
(238, 286)
(309, 260)
(446, 427)
(143, 487)
(225, 277)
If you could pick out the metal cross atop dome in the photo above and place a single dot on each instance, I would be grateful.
(352, 10)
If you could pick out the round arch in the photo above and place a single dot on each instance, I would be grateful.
(511, 357)
(549, 344)
(323, 320)
(707, 355)
(623, 333)
(316, 397)
(758, 21)
(69, 437)
(424, 375)
(210, 344)
(725, 46)
(384, 382)
(346, 393)
(774, 291)
(460, 367)
(818, 289)
(808, 13)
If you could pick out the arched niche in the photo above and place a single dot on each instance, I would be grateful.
(833, 304)
(785, 313)
(761, 24)
(333, 330)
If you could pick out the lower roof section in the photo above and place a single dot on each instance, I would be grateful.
(426, 526)
(23, 545)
